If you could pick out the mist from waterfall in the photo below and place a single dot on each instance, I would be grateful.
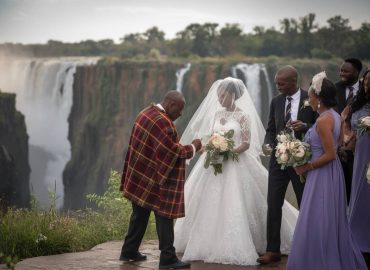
(44, 89)
(180, 76)
(251, 76)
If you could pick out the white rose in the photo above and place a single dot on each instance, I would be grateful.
(300, 152)
(306, 103)
(223, 145)
(219, 142)
(281, 148)
(368, 173)
(366, 121)
(282, 138)
(284, 157)
(215, 137)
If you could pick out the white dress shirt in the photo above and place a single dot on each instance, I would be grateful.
(356, 87)
(294, 105)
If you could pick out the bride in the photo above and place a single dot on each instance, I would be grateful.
(225, 215)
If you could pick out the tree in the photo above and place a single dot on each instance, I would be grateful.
(230, 39)
(337, 37)
(306, 27)
(154, 35)
(290, 35)
(201, 37)
(362, 41)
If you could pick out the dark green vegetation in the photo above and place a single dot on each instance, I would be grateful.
(301, 37)
(37, 232)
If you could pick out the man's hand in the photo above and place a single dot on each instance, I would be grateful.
(266, 149)
(197, 143)
(297, 125)
(345, 113)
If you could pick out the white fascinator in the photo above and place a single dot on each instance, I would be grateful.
(316, 83)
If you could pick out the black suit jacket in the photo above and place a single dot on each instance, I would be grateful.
(277, 114)
(341, 96)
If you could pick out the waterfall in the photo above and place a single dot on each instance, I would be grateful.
(44, 89)
(251, 76)
(180, 76)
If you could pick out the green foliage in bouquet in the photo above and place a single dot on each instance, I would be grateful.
(291, 152)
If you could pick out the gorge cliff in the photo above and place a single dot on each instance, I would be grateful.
(14, 164)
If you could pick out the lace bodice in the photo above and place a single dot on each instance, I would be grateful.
(236, 120)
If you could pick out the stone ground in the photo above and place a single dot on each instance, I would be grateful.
(105, 256)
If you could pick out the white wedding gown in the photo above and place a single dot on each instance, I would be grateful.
(225, 215)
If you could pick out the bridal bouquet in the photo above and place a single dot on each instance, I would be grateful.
(219, 148)
(364, 125)
(292, 152)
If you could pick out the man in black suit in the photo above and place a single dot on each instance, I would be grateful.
(349, 84)
(287, 110)
(347, 89)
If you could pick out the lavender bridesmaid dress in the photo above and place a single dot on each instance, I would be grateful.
(359, 212)
(322, 239)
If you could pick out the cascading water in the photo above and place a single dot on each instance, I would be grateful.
(251, 76)
(44, 95)
(180, 76)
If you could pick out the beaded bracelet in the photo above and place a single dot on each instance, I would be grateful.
(311, 166)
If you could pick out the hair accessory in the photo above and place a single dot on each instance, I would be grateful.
(317, 82)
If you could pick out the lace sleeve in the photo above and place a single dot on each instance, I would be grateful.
(245, 128)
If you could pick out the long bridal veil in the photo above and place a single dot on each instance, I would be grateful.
(201, 124)
(225, 215)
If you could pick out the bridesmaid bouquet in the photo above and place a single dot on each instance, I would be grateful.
(291, 151)
(364, 125)
(368, 173)
(219, 148)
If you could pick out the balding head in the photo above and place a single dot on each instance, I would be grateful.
(173, 103)
(173, 95)
(289, 72)
(286, 80)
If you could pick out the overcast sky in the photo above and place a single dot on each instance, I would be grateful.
(37, 21)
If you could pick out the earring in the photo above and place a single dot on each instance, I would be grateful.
(318, 105)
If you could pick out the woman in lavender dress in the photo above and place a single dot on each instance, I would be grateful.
(359, 213)
(322, 239)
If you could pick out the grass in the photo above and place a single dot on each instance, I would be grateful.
(34, 232)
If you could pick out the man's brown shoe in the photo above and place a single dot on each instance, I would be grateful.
(269, 257)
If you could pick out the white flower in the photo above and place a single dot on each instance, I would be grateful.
(306, 103)
(292, 145)
(40, 238)
(299, 153)
(317, 82)
(284, 157)
(281, 148)
(368, 173)
(365, 121)
(219, 142)
(282, 138)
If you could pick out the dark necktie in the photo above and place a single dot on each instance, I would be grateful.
(288, 114)
(350, 95)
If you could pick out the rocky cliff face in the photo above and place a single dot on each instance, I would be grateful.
(14, 165)
(108, 96)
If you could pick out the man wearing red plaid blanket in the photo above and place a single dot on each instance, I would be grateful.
(153, 178)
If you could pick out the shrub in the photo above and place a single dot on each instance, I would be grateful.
(37, 232)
